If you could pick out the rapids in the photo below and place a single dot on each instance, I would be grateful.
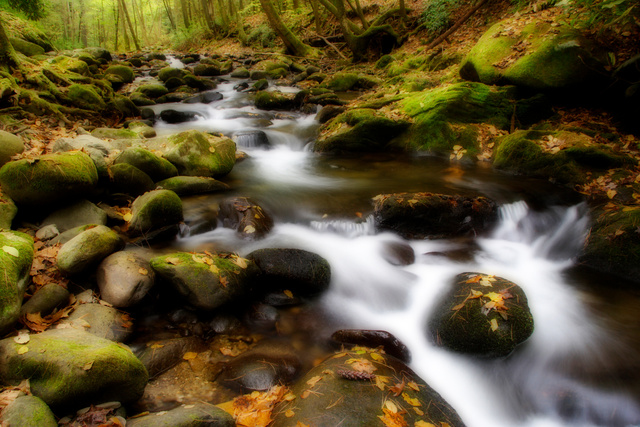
(576, 369)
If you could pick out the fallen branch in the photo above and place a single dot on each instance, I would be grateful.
(455, 26)
(332, 45)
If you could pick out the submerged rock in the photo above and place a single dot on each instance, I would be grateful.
(481, 315)
(356, 388)
(422, 215)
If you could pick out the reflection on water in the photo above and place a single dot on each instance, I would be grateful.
(567, 373)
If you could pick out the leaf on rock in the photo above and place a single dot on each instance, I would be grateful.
(143, 271)
(224, 281)
(421, 423)
(392, 419)
(494, 324)
(22, 337)
(87, 366)
(172, 260)
(249, 229)
(411, 400)
(127, 217)
(190, 355)
(288, 293)
(11, 251)
(361, 365)
(314, 380)
(23, 349)
(239, 261)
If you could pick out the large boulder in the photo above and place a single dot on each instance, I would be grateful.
(28, 411)
(86, 96)
(100, 320)
(188, 185)
(8, 211)
(80, 213)
(158, 168)
(26, 48)
(273, 101)
(10, 145)
(87, 249)
(481, 315)
(154, 211)
(534, 54)
(125, 73)
(422, 215)
(124, 278)
(49, 179)
(206, 281)
(196, 153)
(16, 256)
(128, 179)
(363, 387)
(69, 368)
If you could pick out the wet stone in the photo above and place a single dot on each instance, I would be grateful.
(374, 339)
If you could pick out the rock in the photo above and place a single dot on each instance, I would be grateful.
(246, 217)
(374, 339)
(262, 318)
(192, 415)
(273, 101)
(268, 364)
(63, 238)
(240, 73)
(128, 179)
(80, 213)
(8, 211)
(141, 100)
(174, 116)
(142, 129)
(99, 53)
(173, 83)
(481, 315)
(87, 249)
(170, 72)
(303, 273)
(261, 84)
(430, 215)
(46, 299)
(207, 282)
(156, 167)
(26, 48)
(101, 321)
(328, 112)
(207, 70)
(204, 98)
(124, 106)
(536, 56)
(124, 278)
(110, 133)
(28, 411)
(175, 97)
(188, 185)
(49, 179)
(342, 82)
(200, 83)
(398, 253)
(359, 130)
(160, 356)
(125, 73)
(152, 90)
(258, 75)
(86, 97)
(251, 139)
(16, 257)
(155, 211)
(10, 145)
(365, 376)
(196, 153)
(68, 368)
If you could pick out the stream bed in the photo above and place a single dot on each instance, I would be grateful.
(580, 366)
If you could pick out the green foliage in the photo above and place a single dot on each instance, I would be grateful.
(263, 36)
(608, 13)
(33, 9)
(436, 16)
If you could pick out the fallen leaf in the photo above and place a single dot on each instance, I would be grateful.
(23, 349)
(240, 262)
(391, 406)
(413, 385)
(411, 400)
(87, 366)
(610, 194)
(224, 281)
(314, 380)
(361, 365)
(22, 337)
(392, 419)
(249, 229)
(494, 324)
(156, 346)
(143, 271)
(190, 355)
(11, 251)
(288, 293)
(289, 413)
(418, 411)
(172, 260)
(127, 217)
(378, 357)
(421, 423)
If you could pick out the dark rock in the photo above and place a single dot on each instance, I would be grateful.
(155, 210)
(188, 185)
(192, 415)
(398, 253)
(262, 317)
(374, 339)
(246, 217)
(174, 116)
(204, 98)
(161, 355)
(328, 112)
(128, 179)
(46, 299)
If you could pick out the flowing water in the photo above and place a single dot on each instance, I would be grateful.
(580, 365)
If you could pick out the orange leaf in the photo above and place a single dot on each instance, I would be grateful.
(190, 355)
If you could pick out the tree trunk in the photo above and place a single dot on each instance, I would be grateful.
(128, 21)
(8, 57)
(116, 12)
(208, 19)
(167, 7)
(185, 13)
(82, 26)
(292, 43)
(139, 12)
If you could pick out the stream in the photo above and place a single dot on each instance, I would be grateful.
(580, 365)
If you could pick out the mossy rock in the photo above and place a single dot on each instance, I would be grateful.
(208, 70)
(128, 179)
(155, 210)
(100, 320)
(200, 83)
(142, 129)
(192, 415)
(125, 73)
(86, 97)
(170, 72)
(278, 73)
(111, 133)
(240, 73)
(244, 215)
(360, 130)
(28, 411)
(613, 244)
(99, 53)
(206, 282)
(158, 168)
(196, 153)
(189, 185)
(80, 213)
(68, 64)
(10, 145)
(481, 315)
(261, 84)
(87, 249)
(49, 179)
(15, 259)
(68, 368)
(141, 100)
(124, 106)
(422, 215)
(535, 56)
(273, 101)
(152, 90)
(342, 82)
(8, 211)
(26, 48)
(365, 376)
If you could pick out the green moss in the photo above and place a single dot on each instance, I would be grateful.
(155, 210)
(273, 101)
(74, 65)
(170, 72)
(152, 90)
(15, 264)
(86, 97)
(341, 82)
(125, 73)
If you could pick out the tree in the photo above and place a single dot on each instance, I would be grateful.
(34, 9)
(292, 43)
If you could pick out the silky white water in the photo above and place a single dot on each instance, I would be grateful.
(545, 382)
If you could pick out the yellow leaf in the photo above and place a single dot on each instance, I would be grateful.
(610, 194)
(127, 217)
(214, 269)
(240, 262)
(413, 385)
(156, 346)
(361, 365)
(23, 349)
(197, 259)
(313, 381)
(11, 251)
(143, 271)
(172, 260)
(391, 406)
(421, 423)
(381, 380)
(457, 307)
(300, 424)
(418, 411)
(411, 400)
(305, 394)
(289, 397)
(207, 260)
(493, 296)
(459, 155)
(87, 366)
(249, 229)
(289, 413)
(212, 149)
(378, 357)
(494, 325)
(190, 355)
(288, 293)
(457, 147)
(224, 281)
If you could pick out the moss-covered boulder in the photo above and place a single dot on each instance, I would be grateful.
(534, 54)
(158, 168)
(98, 53)
(481, 315)
(196, 153)
(341, 82)
(266, 100)
(8, 211)
(111, 133)
(370, 378)
(562, 156)
(66, 65)
(68, 368)
(28, 411)
(128, 179)
(86, 96)
(360, 130)
(188, 185)
(154, 211)
(240, 73)
(26, 48)
(152, 90)
(421, 215)
(192, 415)
(49, 179)
(613, 244)
(125, 73)
(87, 249)
(16, 256)
(123, 105)
(206, 281)
(141, 100)
(244, 215)
(10, 145)
(100, 320)
(170, 72)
